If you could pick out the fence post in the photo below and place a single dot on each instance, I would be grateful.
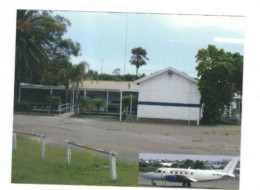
(112, 157)
(42, 147)
(14, 141)
(59, 108)
(68, 152)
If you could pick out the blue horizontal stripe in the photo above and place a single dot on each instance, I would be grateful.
(168, 104)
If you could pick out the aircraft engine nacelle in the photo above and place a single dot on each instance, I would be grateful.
(171, 178)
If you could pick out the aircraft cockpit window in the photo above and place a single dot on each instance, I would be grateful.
(157, 171)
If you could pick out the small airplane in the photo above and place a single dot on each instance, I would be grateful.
(188, 176)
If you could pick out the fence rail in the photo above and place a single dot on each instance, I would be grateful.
(65, 108)
(42, 136)
(68, 144)
(112, 156)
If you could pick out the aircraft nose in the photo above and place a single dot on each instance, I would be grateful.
(146, 175)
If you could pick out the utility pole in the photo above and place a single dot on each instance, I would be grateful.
(101, 66)
(125, 39)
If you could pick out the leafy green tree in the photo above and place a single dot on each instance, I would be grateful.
(86, 103)
(138, 58)
(218, 80)
(22, 106)
(93, 75)
(188, 163)
(174, 165)
(199, 165)
(53, 101)
(99, 102)
(126, 101)
(41, 50)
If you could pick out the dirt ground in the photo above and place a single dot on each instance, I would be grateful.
(128, 139)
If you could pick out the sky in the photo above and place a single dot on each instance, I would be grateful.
(173, 40)
(194, 157)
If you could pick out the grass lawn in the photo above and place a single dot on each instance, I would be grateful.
(85, 169)
(35, 113)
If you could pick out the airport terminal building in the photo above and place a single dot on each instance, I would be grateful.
(164, 96)
(169, 96)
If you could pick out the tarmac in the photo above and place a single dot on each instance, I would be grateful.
(129, 139)
(232, 183)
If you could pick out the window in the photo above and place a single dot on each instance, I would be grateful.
(176, 172)
(180, 172)
(171, 172)
(163, 172)
(191, 173)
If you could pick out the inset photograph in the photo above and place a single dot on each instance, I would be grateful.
(187, 170)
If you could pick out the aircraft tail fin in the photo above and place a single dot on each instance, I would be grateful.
(230, 167)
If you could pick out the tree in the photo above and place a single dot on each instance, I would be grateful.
(116, 71)
(188, 163)
(199, 165)
(218, 80)
(53, 101)
(99, 102)
(41, 50)
(78, 73)
(85, 102)
(138, 58)
(126, 101)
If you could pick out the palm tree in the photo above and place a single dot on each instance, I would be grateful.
(31, 54)
(65, 75)
(78, 75)
(138, 58)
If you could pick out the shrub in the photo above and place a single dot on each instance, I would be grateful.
(99, 103)
(53, 101)
(86, 102)
(22, 106)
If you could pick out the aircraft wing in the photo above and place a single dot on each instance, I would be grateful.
(185, 178)
(180, 178)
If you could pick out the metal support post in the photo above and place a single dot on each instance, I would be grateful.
(107, 102)
(42, 147)
(131, 104)
(121, 105)
(19, 98)
(73, 99)
(68, 150)
(113, 174)
(14, 141)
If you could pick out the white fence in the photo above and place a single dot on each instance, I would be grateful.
(42, 137)
(112, 156)
(62, 108)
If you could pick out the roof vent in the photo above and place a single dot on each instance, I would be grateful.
(170, 73)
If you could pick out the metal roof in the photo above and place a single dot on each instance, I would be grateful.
(166, 70)
(108, 85)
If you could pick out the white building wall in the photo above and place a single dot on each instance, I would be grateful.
(169, 89)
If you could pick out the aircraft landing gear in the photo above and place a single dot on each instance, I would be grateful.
(186, 184)
(153, 183)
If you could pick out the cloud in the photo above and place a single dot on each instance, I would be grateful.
(225, 22)
(229, 40)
